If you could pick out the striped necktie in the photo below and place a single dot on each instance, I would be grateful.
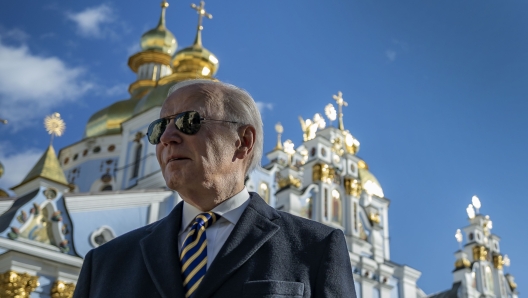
(193, 255)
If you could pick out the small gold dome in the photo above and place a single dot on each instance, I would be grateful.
(462, 263)
(160, 38)
(195, 59)
(369, 183)
(1, 169)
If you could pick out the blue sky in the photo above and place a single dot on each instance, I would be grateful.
(436, 89)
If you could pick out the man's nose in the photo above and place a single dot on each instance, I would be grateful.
(171, 134)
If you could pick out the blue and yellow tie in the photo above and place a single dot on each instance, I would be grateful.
(194, 252)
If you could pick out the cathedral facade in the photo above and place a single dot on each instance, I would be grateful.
(110, 183)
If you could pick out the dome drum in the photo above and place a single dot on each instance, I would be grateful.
(141, 87)
(138, 59)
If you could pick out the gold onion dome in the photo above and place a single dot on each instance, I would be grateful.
(159, 39)
(368, 181)
(196, 60)
(108, 120)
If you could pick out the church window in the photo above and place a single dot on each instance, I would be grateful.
(355, 216)
(75, 156)
(314, 151)
(66, 160)
(264, 191)
(471, 237)
(97, 149)
(325, 204)
(85, 152)
(306, 208)
(336, 207)
(489, 279)
(101, 236)
(111, 148)
(107, 187)
(323, 152)
(137, 159)
(352, 168)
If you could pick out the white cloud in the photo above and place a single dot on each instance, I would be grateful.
(14, 34)
(391, 55)
(264, 105)
(30, 85)
(90, 21)
(16, 164)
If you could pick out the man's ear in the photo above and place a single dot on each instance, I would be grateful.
(247, 136)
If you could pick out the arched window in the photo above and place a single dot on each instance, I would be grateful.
(137, 161)
(306, 208)
(107, 187)
(337, 210)
(264, 191)
(325, 204)
(489, 279)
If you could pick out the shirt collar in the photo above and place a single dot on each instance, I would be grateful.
(230, 209)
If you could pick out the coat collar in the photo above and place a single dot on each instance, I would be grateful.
(160, 252)
(160, 248)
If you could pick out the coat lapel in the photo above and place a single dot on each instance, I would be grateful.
(160, 252)
(253, 229)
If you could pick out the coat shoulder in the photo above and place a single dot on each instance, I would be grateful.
(306, 228)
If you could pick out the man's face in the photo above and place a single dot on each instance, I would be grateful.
(193, 163)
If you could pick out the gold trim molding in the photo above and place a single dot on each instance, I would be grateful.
(290, 180)
(138, 59)
(462, 263)
(141, 84)
(62, 289)
(480, 253)
(352, 187)
(17, 285)
(497, 261)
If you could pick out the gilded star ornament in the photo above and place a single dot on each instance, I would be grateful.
(330, 112)
(54, 124)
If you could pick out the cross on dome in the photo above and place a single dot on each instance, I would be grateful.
(340, 103)
(201, 13)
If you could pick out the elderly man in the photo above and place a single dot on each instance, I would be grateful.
(221, 241)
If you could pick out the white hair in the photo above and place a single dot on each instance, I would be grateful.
(239, 106)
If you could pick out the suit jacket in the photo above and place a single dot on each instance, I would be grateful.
(268, 254)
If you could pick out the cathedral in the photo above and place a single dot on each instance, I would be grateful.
(110, 183)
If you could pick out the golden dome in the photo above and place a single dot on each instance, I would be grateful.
(195, 59)
(462, 263)
(368, 181)
(1, 169)
(4, 194)
(108, 120)
(154, 98)
(160, 38)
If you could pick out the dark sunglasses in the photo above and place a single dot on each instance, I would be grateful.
(188, 123)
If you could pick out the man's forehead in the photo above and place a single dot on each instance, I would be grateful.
(200, 97)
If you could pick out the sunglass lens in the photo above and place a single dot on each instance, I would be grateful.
(155, 131)
(188, 122)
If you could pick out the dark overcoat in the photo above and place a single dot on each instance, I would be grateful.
(268, 254)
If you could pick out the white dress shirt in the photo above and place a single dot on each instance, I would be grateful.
(217, 234)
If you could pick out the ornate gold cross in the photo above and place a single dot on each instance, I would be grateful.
(340, 103)
(201, 13)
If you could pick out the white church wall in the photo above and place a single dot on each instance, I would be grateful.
(120, 220)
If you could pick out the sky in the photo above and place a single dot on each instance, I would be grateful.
(436, 93)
